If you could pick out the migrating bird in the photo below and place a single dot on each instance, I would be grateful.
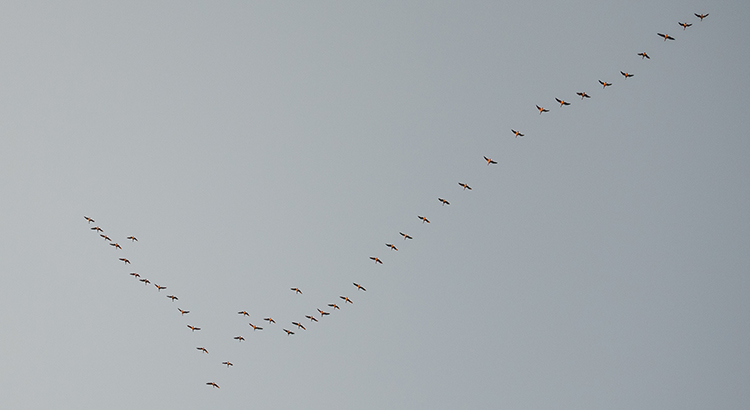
(173, 297)
(213, 384)
(91, 220)
(665, 36)
(465, 186)
(255, 327)
(125, 260)
(269, 320)
(239, 338)
(227, 363)
(541, 109)
(684, 25)
(312, 318)
(390, 245)
(335, 306)
(701, 16)
(105, 237)
(159, 287)
(288, 332)
(584, 95)
(490, 161)
(116, 245)
(243, 312)
(346, 299)
(296, 290)
(322, 313)
(132, 238)
(423, 219)
(626, 75)
(145, 281)
(360, 287)
(202, 349)
(193, 328)
(299, 325)
(562, 102)
(518, 134)
(376, 259)
(184, 312)
(604, 84)
(644, 55)
(135, 274)
(443, 201)
(96, 228)
(405, 236)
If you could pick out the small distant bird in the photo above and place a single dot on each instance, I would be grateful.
(213, 384)
(443, 201)
(423, 219)
(490, 161)
(91, 220)
(405, 236)
(684, 25)
(360, 287)
(644, 55)
(541, 109)
(296, 290)
(159, 287)
(322, 313)
(135, 274)
(584, 95)
(312, 318)
(390, 245)
(145, 281)
(239, 338)
(376, 259)
(243, 312)
(227, 363)
(335, 306)
(346, 299)
(299, 325)
(173, 297)
(269, 320)
(517, 134)
(116, 245)
(184, 312)
(665, 36)
(288, 332)
(132, 238)
(604, 84)
(562, 102)
(202, 349)
(125, 260)
(626, 75)
(105, 237)
(96, 228)
(701, 16)
(193, 328)
(255, 327)
(464, 186)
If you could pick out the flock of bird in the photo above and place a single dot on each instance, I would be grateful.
(297, 325)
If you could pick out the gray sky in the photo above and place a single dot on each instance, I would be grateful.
(257, 146)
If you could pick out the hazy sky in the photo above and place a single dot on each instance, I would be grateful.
(257, 146)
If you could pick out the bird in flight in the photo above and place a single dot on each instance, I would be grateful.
(360, 287)
(541, 109)
(184, 312)
(299, 325)
(159, 287)
(202, 349)
(145, 281)
(405, 236)
(269, 320)
(346, 299)
(701, 16)
(322, 313)
(604, 84)
(333, 305)
(288, 332)
(518, 134)
(125, 260)
(443, 201)
(312, 318)
(489, 161)
(665, 36)
(583, 95)
(255, 327)
(91, 220)
(296, 290)
(173, 297)
(213, 384)
(562, 102)
(239, 338)
(376, 259)
(105, 237)
(626, 75)
(116, 245)
(135, 274)
(96, 228)
(243, 312)
(390, 245)
(644, 55)
(132, 238)
(227, 363)
(684, 25)
(193, 328)
(465, 186)
(423, 219)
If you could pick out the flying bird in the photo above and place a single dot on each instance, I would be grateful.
(213, 384)
(132, 238)
(288, 332)
(135, 274)
(296, 290)
(255, 327)
(145, 281)
(684, 25)
(173, 297)
(91, 220)
(312, 318)
(423, 219)
(626, 75)
(541, 109)
(125, 260)
(243, 312)
(227, 363)
(269, 320)
(665, 36)
(116, 245)
(96, 228)
(562, 102)
(701, 16)
(465, 186)
(105, 237)
(159, 287)
(202, 349)
(376, 259)
(346, 299)
(490, 161)
(239, 338)
(322, 313)
(644, 55)
(604, 84)
(299, 325)
(193, 328)
(443, 201)
(184, 312)
(360, 287)
(583, 95)
(517, 134)
(335, 306)
(405, 236)
(390, 245)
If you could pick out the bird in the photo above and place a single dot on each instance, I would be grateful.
(135, 274)
(465, 186)
(644, 55)
(376, 259)
(489, 161)
(390, 245)
(443, 201)
(202, 349)
(243, 312)
(296, 290)
(116, 245)
(701, 16)
(335, 306)
(604, 84)
(360, 287)
(255, 327)
(193, 328)
(299, 325)
(346, 299)
(322, 313)
(288, 332)
(541, 109)
(626, 75)
(105, 237)
(91, 220)
(227, 363)
(239, 338)
(125, 260)
(145, 281)
(405, 236)
(269, 320)
(173, 297)
(132, 238)
(684, 25)
(184, 312)
(583, 95)
(213, 384)
(517, 134)
(666, 36)
(96, 228)
(312, 318)
(562, 102)
(423, 219)
(159, 287)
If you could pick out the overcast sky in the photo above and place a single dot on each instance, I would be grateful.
(252, 147)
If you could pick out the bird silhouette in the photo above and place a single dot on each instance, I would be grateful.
(360, 287)
(106, 238)
(465, 186)
(243, 312)
(346, 299)
(145, 281)
(116, 245)
(184, 312)
(269, 320)
(312, 318)
(333, 305)
(490, 161)
(562, 102)
(665, 36)
(684, 25)
(91, 220)
(213, 384)
(133, 274)
(255, 327)
(132, 238)
(376, 259)
(127, 262)
(159, 287)
(583, 95)
(604, 84)
(405, 236)
(296, 290)
(288, 332)
(202, 349)
(193, 328)
(390, 245)
(299, 325)
(701, 16)
(173, 297)
(626, 75)
(96, 228)
(239, 338)
(516, 133)
(423, 219)
(227, 364)
(644, 55)
(322, 313)
(541, 109)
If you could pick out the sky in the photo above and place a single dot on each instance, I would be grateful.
(257, 146)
